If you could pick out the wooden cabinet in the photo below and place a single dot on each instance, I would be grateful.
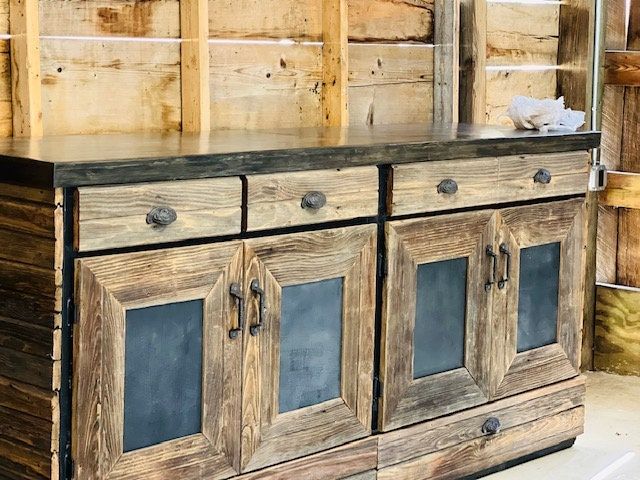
(205, 362)
(479, 306)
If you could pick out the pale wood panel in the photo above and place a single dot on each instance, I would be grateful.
(128, 18)
(402, 445)
(137, 84)
(265, 86)
(383, 77)
(607, 245)
(275, 200)
(617, 338)
(277, 19)
(478, 454)
(395, 20)
(503, 85)
(4, 16)
(473, 60)
(447, 61)
(335, 63)
(522, 34)
(115, 216)
(6, 109)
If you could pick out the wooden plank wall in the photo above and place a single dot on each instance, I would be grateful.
(617, 327)
(30, 335)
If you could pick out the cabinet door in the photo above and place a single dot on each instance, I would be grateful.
(308, 369)
(156, 373)
(436, 314)
(538, 310)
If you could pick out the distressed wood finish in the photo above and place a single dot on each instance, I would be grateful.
(623, 190)
(275, 200)
(269, 437)
(428, 437)
(410, 243)
(478, 454)
(622, 68)
(486, 181)
(30, 340)
(116, 216)
(105, 290)
(522, 227)
(473, 61)
(617, 338)
(446, 81)
(342, 463)
(335, 63)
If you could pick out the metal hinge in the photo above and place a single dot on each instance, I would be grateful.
(382, 266)
(377, 387)
(72, 312)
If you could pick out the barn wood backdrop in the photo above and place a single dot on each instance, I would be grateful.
(102, 66)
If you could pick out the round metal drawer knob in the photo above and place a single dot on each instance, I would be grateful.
(314, 201)
(448, 186)
(162, 216)
(543, 176)
(491, 426)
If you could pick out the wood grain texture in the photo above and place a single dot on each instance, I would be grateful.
(617, 330)
(346, 462)
(194, 65)
(391, 21)
(275, 201)
(106, 288)
(116, 216)
(6, 108)
(478, 454)
(623, 190)
(75, 72)
(25, 68)
(607, 245)
(271, 19)
(335, 63)
(431, 436)
(380, 75)
(473, 61)
(407, 400)
(268, 436)
(622, 68)
(522, 33)
(446, 81)
(260, 86)
(125, 18)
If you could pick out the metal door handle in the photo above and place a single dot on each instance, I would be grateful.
(505, 251)
(262, 309)
(494, 259)
(236, 292)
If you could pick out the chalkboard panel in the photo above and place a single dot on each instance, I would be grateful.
(439, 333)
(163, 373)
(538, 297)
(310, 343)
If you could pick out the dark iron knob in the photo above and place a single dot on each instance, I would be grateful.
(162, 216)
(448, 186)
(314, 201)
(491, 426)
(543, 176)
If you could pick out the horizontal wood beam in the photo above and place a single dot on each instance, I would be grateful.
(623, 190)
(622, 67)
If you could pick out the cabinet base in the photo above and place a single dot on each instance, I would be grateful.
(526, 458)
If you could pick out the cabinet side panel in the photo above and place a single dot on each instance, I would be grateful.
(30, 331)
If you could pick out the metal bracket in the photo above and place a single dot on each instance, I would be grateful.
(598, 178)
(377, 387)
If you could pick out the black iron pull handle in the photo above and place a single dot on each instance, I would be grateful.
(491, 426)
(494, 266)
(262, 308)
(542, 176)
(448, 186)
(162, 216)
(505, 251)
(314, 201)
(236, 292)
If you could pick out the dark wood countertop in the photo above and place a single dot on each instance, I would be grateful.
(75, 160)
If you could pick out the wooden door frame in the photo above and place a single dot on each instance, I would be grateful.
(411, 243)
(106, 288)
(529, 226)
(269, 437)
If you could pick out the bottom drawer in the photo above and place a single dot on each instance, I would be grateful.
(484, 437)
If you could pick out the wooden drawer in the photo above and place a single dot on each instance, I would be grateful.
(300, 198)
(450, 184)
(456, 446)
(120, 216)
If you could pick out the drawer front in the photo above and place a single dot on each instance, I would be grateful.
(150, 213)
(449, 184)
(302, 198)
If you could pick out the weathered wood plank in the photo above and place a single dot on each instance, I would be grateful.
(24, 398)
(473, 61)
(618, 330)
(446, 81)
(32, 431)
(76, 72)
(622, 68)
(623, 190)
(28, 338)
(30, 369)
(6, 108)
(335, 63)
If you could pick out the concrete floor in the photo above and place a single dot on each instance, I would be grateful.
(610, 446)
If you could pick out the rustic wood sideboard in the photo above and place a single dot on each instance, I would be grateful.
(392, 302)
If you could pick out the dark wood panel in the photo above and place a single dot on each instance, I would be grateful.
(622, 68)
